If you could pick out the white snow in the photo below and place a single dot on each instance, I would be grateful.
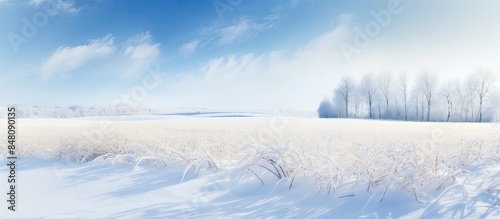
(192, 166)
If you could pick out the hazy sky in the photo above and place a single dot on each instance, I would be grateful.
(231, 53)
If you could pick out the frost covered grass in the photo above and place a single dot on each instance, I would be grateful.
(346, 159)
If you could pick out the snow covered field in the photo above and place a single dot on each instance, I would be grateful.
(241, 165)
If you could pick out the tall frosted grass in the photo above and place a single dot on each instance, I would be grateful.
(378, 161)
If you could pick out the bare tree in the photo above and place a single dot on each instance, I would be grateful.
(427, 81)
(482, 80)
(422, 106)
(469, 88)
(461, 103)
(446, 92)
(403, 89)
(344, 92)
(368, 90)
(415, 97)
(379, 102)
(357, 99)
(385, 85)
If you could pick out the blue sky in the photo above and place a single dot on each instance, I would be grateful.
(238, 54)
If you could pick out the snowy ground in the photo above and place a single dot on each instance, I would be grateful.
(102, 190)
(230, 165)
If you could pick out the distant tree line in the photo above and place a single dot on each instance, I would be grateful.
(75, 111)
(385, 96)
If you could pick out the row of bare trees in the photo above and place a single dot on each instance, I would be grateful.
(384, 96)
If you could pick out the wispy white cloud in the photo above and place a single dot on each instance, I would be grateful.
(141, 38)
(279, 12)
(140, 52)
(55, 7)
(293, 3)
(221, 33)
(189, 48)
(216, 35)
(134, 57)
(244, 29)
(67, 59)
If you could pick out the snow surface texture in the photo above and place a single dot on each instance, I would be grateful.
(183, 166)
